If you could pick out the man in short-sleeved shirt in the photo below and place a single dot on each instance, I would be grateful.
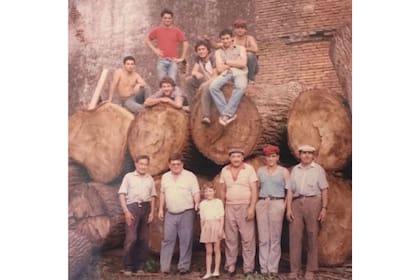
(168, 93)
(307, 201)
(137, 197)
(167, 37)
(239, 193)
(180, 193)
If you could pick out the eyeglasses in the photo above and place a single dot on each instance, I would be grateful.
(306, 152)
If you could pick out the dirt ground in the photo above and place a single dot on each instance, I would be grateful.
(108, 265)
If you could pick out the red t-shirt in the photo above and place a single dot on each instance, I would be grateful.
(167, 39)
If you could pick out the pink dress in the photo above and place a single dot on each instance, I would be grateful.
(210, 213)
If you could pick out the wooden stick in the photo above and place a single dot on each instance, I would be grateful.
(98, 89)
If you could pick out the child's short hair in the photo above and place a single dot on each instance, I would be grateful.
(208, 186)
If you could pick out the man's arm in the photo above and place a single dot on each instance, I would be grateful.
(324, 199)
(152, 210)
(289, 213)
(151, 101)
(196, 71)
(161, 205)
(240, 62)
(149, 43)
(252, 45)
(184, 51)
(223, 193)
(127, 214)
(212, 42)
(251, 208)
(220, 64)
(114, 83)
(196, 197)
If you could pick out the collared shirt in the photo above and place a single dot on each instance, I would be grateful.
(232, 53)
(175, 93)
(307, 181)
(179, 193)
(137, 188)
(238, 188)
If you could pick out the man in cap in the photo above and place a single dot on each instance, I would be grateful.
(307, 202)
(239, 194)
(270, 210)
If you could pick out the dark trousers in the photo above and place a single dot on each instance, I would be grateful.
(136, 248)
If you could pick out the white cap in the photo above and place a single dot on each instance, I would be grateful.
(306, 148)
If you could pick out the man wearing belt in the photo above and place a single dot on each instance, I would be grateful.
(270, 210)
(137, 197)
(239, 194)
(180, 193)
(307, 202)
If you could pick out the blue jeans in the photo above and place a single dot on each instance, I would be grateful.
(134, 102)
(181, 226)
(166, 67)
(252, 64)
(240, 83)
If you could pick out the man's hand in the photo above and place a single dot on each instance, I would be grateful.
(128, 218)
(158, 52)
(250, 214)
(160, 215)
(322, 215)
(289, 215)
(178, 60)
(198, 76)
(150, 218)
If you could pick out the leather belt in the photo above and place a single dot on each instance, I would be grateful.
(303, 196)
(270, 198)
(140, 204)
(182, 212)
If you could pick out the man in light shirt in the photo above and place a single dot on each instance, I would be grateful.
(137, 197)
(180, 195)
(231, 65)
(307, 202)
(239, 194)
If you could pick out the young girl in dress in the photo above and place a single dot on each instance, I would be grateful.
(211, 220)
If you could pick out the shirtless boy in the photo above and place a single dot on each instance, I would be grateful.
(131, 88)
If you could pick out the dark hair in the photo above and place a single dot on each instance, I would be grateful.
(226, 31)
(176, 156)
(239, 23)
(167, 80)
(142, 157)
(129, 58)
(166, 11)
(202, 43)
(209, 186)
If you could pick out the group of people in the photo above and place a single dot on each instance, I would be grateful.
(234, 60)
(268, 194)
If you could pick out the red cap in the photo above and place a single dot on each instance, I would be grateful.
(270, 149)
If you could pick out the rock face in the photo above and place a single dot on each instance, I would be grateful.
(101, 33)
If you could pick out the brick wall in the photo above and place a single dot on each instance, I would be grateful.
(294, 38)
